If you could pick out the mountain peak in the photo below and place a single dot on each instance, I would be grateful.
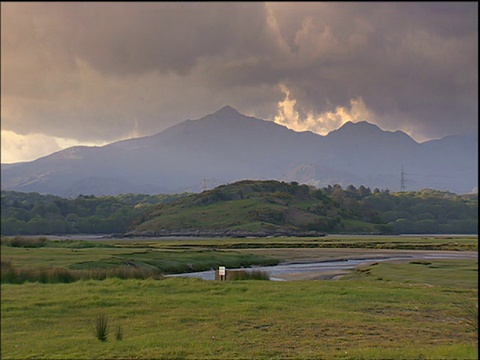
(359, 125)
(227, 111)
(365, 131)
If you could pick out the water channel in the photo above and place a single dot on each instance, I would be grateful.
(283, 271)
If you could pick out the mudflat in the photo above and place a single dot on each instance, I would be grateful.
(339, 256)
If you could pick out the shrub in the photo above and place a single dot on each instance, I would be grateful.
(247, 275)
(20, 241)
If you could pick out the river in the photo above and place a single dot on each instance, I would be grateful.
(333, 269)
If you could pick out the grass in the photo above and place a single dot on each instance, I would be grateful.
(191, 318)
(169, 257)
(469, 308)
(119, 333)
(409, 310)
(458, 274)
(24, 242)
(454, 243)
(35, 242)
(165, 258)
(218, 215)
(12, 275)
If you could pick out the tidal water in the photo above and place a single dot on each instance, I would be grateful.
(326, 266)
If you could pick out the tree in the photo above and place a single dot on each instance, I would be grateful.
(402, 226)
(362, 192)
(426, 226)
(12, 226)
(39, 225)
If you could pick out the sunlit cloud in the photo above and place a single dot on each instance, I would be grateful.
(396, 65)
(323, 123)
(18, 148)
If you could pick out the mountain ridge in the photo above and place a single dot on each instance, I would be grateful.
(226, 146)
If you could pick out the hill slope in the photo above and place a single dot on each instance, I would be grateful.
(262, 208)
(256, 208)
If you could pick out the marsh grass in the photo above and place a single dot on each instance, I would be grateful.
(448, 273)
(180, 260)
(469, 310)
(119, 333)
(391, 311)
(199, 319)
(11, 275)
(173, 256)
(24, 242)
(99, 327)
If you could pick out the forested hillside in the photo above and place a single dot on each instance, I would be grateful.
(426, 211)
(257, 206)
(273, 207)
(32, 213)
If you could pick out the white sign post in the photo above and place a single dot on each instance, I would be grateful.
(221, 273)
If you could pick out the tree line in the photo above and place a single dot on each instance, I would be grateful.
(426, 211)
(33, 214)
(420, 212)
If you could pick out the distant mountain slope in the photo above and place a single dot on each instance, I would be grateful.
(227, 146)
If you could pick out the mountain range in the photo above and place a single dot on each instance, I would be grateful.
(227, 146)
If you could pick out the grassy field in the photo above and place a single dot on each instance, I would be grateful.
(409, 310)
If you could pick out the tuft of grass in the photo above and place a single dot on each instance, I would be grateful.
(469, 308)
(99, 327)
(119, 333)
(7, 272)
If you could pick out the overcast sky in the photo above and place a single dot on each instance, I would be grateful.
(93, 73)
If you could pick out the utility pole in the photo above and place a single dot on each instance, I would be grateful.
(402, 181)
(204, 184)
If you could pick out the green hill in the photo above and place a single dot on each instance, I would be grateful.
(262, 208)
(256, 208)
(245, 208)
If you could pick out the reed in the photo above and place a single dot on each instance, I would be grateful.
(247, 275)
(11, 275)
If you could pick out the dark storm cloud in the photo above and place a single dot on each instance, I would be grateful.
(102, 71)
(126, 38)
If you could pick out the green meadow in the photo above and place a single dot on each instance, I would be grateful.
(414, 309)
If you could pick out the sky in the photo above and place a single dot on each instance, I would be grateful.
(91, 73)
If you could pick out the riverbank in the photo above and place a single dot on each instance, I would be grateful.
(331, 265)
(226, 233)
